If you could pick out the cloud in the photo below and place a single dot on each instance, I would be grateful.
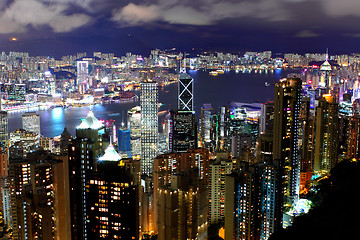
(21, 14)
(186, 15)
(136, 14)
(339, 8)
(307, 34)
(204, 12)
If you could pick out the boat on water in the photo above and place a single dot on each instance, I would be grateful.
(267, 84)
(220, 71)
(213, 73)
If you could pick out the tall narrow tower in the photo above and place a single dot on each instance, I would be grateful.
(149, 125)
(185, 90)
(286, 127)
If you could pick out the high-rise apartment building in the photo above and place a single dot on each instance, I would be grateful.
(149, 125)
(181, 194)
(218, 169)
(112, 196)
(326, 135)
(40, 205)
(31, 122)
(252, 207)
(285, 145)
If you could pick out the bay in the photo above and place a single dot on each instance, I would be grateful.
(217, 90)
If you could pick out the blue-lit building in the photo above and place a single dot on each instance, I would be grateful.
(124, 141)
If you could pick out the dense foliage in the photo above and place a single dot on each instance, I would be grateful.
(336, 208)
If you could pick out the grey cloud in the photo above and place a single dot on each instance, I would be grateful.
(22, 13)
(203, 13)
(307, 34)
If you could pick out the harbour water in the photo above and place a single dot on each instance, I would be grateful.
(217, 90)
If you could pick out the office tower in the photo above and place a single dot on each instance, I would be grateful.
(205, 125)
(285, 144)
(31, 122)
(183, 134)
(267, 117)
(124, 141)
(181, 194)
(134, 124)
(185, 91)
(112, 199)
(218, 169)
(82, 72)
(149, 125)
(83, 154)
(223, 143)
(325, 71)
(239, 142)
(326, 135)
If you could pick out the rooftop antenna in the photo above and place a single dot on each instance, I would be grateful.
(327, 54)
(183, 68)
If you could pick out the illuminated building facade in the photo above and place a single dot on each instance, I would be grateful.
(185, 91)
(183, 134)
(124, 141)
(112, 199)
(222, 166)
(239, 214)
(31, 122)
(149, 125)
(252, 206)
(35, 209)
(82, 72)
(4, 138)
(326, 134)
(205, 125)
(285, 144)
(83, 154)
(134, 124)
(180, 182)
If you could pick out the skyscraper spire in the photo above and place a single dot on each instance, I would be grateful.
(327, 54)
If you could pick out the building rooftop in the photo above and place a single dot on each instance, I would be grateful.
(110, 154)
(90, 122)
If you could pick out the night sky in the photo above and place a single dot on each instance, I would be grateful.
(61, 27)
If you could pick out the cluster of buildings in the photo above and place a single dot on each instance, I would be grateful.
(246, 167)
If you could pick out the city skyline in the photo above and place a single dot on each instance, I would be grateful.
(65, 27)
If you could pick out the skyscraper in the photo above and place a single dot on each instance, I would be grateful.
(218, 169)
(181, 194)
(83, 154)
(185, 91)
(183, 134)
(286, 126)
(205, 125)
(82, 72)
(113, 199)
(134, 124)
(149, 125)
(31, 122)
(326, 134)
